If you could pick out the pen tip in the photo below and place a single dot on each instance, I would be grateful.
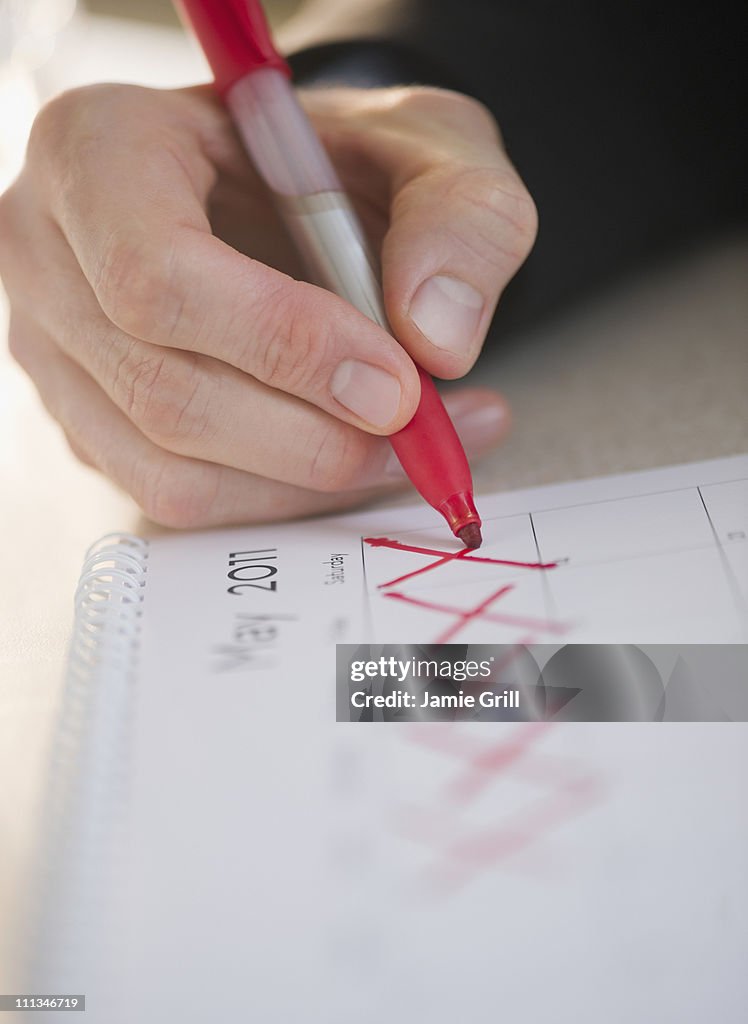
(471, 536)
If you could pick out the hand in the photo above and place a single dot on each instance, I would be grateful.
(151, 304)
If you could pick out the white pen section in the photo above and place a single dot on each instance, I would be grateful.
(291, 159)
(332, 244)
(279, 136)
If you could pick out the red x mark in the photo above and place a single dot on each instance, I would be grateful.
(465, 857)
(569, 790)
(463, 617)
(444, 557)
(482, 764)
(480, 612)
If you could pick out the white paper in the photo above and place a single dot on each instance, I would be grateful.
(653, 557)
(276, 865)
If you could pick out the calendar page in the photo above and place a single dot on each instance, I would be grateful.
(227, 850)
(653, 557)
(650, 557)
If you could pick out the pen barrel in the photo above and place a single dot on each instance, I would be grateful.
(331, 241)
(279, 136)
(431, 453)
(235, 38)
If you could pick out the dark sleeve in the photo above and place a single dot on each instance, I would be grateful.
(368, 63)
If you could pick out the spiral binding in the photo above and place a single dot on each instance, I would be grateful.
(86, 796)
(108, 608)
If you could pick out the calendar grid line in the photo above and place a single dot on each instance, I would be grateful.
(602, 543)
(732, 581)
(571, 566)
(589, 504)
(551, 608)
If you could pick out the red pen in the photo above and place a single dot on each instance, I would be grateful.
(254, 82)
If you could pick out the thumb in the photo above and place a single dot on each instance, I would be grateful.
(461, 225)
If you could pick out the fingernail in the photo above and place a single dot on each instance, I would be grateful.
(368, 391)
(447, 312)
(480, 426)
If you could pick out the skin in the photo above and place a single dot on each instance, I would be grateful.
(155, 299)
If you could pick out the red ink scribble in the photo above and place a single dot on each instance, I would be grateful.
(488, 762)
(484, 766)
(461, 858)
(500, 618)
(445, 556)
(463, 617)
(483, 763)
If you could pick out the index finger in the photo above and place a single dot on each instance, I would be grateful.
(136, 173)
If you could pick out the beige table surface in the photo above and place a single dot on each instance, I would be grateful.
(653, 373)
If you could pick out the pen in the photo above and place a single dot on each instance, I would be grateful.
(254, 82)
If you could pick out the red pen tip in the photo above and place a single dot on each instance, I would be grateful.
(471, 536)
(462, 516)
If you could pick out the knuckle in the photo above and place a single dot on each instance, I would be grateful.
(136, 377)
(164, 394)
(453, 109)
(51, 124)
(84, 107)
(336, 459)
(507, 219)
(524, 216)
(133, 286)
(70, 119)
(293, 346)
(173, 493)
(472, 112)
